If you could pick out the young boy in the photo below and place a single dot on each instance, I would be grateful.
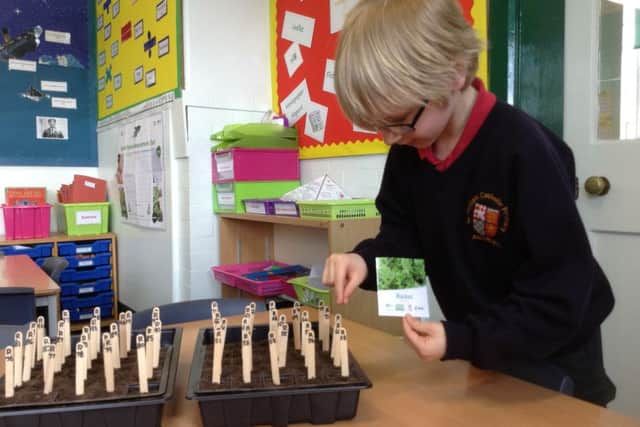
(479, 190)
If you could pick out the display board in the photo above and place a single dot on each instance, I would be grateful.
(138, 52)
(304, 36)
(47, 96)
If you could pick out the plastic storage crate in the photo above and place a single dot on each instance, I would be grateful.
(271, 207)
(232, 275)
(83, 288)
(72, 248)
(246, 164)
(81, 219)
(228, 197)
(85, 313)
(325, 400)
(33, 251)
(74, 302)
(310, 293)
(136, 410)
(77, 275)
(339, 209)
(88, 260)
(27, 222)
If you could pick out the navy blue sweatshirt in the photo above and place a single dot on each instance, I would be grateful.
(504, 247)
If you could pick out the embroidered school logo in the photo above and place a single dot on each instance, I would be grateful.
(489, 218)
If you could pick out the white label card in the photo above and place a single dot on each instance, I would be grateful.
(68, 103)
(402, 287)
(57, 37)
(88, 217)
(296, 103)
(22, 65)
(316, 123)
(255, 207)
(227, 199)
(298, 28)
(338, 11)
(293, 58)
(150, 78)
(329, 70)
(52, 86)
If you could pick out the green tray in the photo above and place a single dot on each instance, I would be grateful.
(310, 295)
(339, 209)
(255, 135)
(82, 219)
(228, 197)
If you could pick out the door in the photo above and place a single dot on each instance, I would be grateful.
(601, 124)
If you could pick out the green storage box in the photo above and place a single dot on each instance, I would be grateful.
(82, 219)
(255, 135)
(309, 294)
(339, 209)
(228, 197)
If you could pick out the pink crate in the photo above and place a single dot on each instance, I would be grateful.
(26, 222)
(232, 275)
(250, 164)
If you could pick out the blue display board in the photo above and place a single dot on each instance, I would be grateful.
(55, 34)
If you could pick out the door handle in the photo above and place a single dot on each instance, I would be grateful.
(597, 185)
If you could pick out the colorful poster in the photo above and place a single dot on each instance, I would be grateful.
(304, 37)
(140, 173)
(138, 52)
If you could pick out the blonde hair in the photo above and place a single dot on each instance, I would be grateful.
(395, 54)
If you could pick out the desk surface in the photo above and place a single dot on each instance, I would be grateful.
(20, 270)
(408, 392)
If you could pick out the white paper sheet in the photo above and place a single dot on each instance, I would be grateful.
(293, 58)
(295, 105)
(57, 37)
(298, 28)
(338, 10)
(22, 65)
(67, 103)
(316, 123)
(329, 71)
(53, 86)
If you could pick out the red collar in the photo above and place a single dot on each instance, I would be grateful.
(483, 105)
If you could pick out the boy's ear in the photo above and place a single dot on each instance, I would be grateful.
(461, 77)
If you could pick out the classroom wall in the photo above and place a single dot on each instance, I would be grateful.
(217, 93)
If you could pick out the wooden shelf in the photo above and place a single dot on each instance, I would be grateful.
(275, 219)
(250, 238)
(56, 238)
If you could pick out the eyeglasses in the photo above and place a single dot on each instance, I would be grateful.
(393, 133)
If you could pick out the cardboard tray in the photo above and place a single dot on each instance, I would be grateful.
(138, 411)
(242, 405)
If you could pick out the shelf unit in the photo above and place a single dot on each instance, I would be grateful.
(55, 239)
(250, 238)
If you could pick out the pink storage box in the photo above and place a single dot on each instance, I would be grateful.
(27, 222)
(250, 164)
(232, 275)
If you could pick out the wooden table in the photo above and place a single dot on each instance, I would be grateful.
(20, 270)
(409, 392)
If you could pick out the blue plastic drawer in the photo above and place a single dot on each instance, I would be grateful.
(34, 251)
(82, 274)
(86, 313)
(76, 288)
(71, 303)
(88, 260)
(71, 248)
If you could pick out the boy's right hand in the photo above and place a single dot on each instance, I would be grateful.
(345, 272)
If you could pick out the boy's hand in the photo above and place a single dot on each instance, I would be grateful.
(428, 339)
(345, 272)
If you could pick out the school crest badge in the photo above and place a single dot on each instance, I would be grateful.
(488, 217)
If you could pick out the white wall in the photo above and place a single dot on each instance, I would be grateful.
(49, 177)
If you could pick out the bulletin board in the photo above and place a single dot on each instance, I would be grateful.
(46, 73)
(138, 52)
(300, 62)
